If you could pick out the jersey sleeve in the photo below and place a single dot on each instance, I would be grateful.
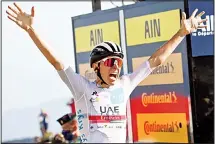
(75, 82)
(139, 75)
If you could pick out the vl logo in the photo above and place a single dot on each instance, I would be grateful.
(94, 97)
(94, 93)
(117, 96)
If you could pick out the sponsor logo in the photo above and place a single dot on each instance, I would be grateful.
(95, 93)
(170, 72)
(109, 110)
(209, 30)
(81, 116)
(111, 126)
(107, 119)
(94, 97)
(117, 96)
(105, 126)
(169, 97)
(111, 118)
(161, 127)
(165, 68)
(90, 75)
(80, 119)
(83, 138)
(86, 71)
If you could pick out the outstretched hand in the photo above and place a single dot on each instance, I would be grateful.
(192, 23)
(21, 18)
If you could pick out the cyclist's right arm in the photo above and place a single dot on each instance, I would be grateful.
(75, 82)
(58, 65)
(25, 21)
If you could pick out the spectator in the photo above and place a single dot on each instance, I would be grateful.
(70, 134)
(59, 138)
(43, 122)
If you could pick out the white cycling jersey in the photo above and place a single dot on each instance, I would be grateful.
(101, 112)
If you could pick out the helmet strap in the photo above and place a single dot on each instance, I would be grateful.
(99, 75)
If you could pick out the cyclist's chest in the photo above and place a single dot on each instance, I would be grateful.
(107, 102)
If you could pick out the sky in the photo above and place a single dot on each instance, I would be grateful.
(29, 82)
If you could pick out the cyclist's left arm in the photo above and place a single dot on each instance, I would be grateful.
(165, 50)
(155, 60)
(138, 75)
(187, 27)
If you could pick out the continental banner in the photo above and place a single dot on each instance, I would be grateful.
(87, 72)
(152, 28)
(162, 127)
(161, 116)
(170, 72)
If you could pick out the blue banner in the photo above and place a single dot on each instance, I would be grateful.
(202, 40)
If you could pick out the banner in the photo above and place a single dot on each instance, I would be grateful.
(167, 108)
(170, 72)
(162, 127)
(89, 36)
(160, 103)
(202, 40)
(152, 28)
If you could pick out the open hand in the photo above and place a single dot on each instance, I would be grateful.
(191, 24)
(21, 18)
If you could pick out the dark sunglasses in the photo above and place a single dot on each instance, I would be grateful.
(110, 62)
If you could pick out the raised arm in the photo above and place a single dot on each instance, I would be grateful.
(187, 27)
(25, 21)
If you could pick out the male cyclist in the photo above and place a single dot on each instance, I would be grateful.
(101, 105)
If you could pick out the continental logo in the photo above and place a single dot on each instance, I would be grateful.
(165, 68)
(166, 98)
(88, 36)
(152, 28)
(90, 75)
(161, 127)
(87, 72)
(170, 72)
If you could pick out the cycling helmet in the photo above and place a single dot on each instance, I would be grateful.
(103, 50)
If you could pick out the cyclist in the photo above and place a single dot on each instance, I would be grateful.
(101, 105)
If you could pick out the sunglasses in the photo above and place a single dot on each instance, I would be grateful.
(110, 62)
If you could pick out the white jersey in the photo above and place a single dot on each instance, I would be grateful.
(101, 112)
